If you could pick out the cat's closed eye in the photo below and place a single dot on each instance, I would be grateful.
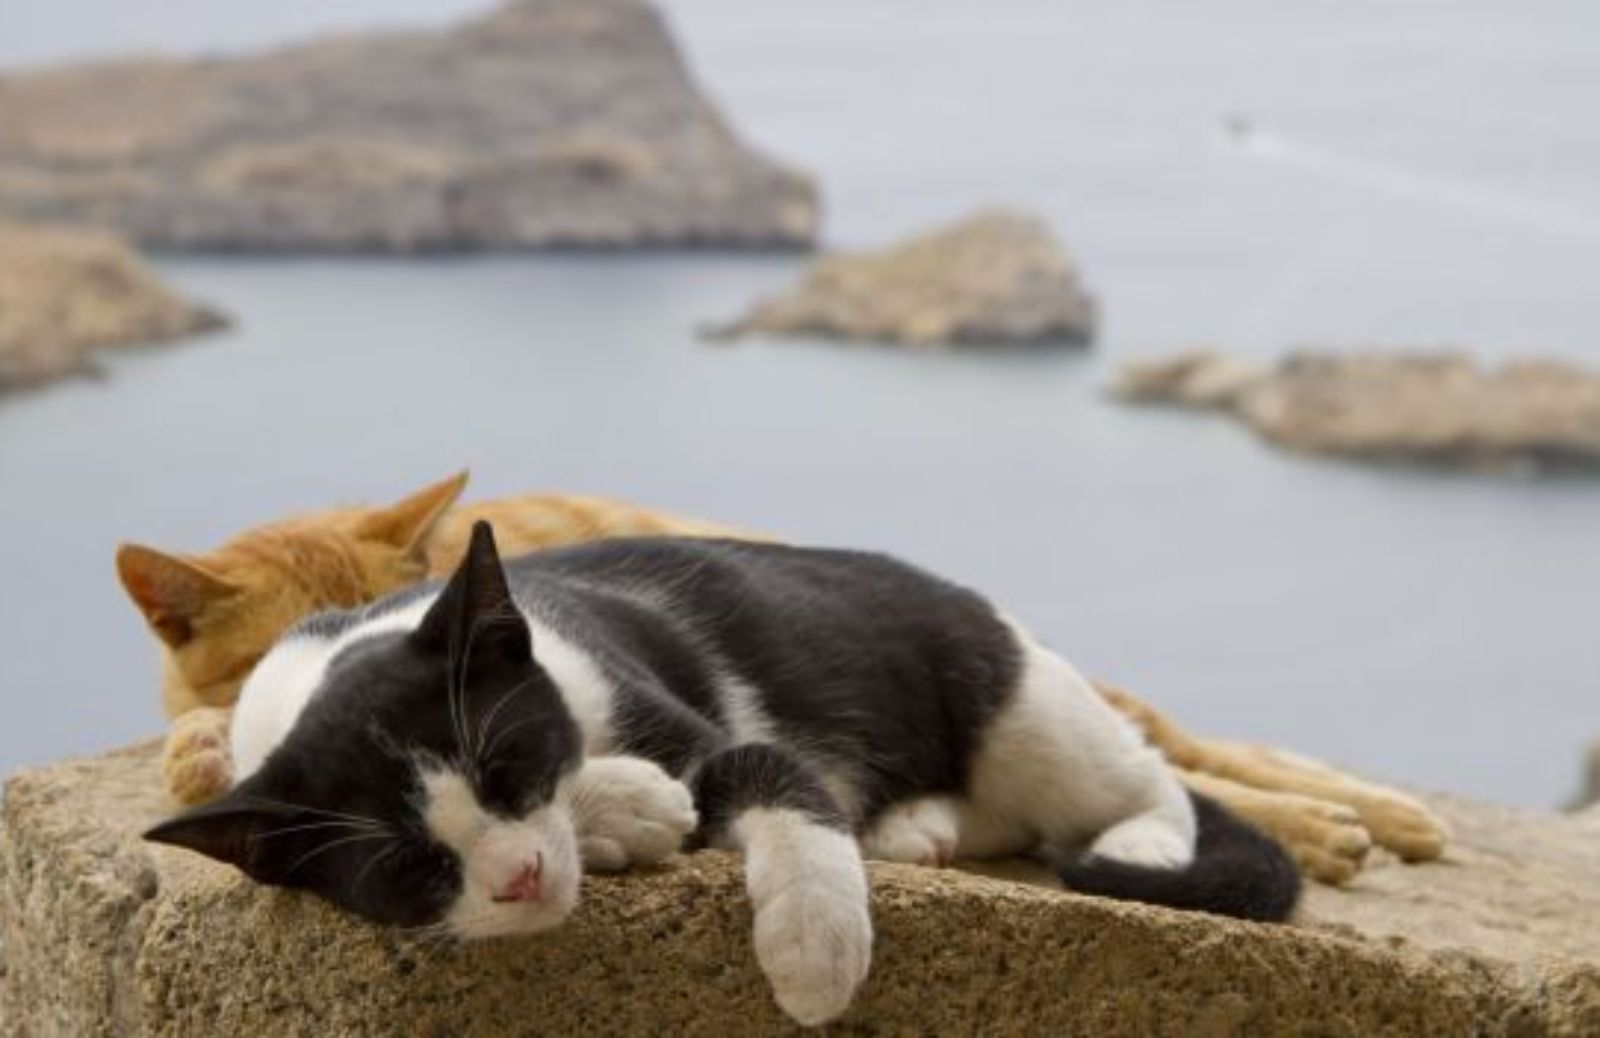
(514, 788)
(389, 883)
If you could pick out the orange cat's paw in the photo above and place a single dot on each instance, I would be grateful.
(1398, 822)
(1403, 825)
(1327, 840)
(199, 777)
(196, 766)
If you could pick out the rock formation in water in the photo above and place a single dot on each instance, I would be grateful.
(1438, 408)
(544, 123)
(996, 277)
(1589, 788)
(66, 292)
(105, 935)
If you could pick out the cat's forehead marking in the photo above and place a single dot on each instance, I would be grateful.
(286, 679)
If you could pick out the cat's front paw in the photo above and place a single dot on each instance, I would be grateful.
(814, 943)
(195, 763)
(629, 812)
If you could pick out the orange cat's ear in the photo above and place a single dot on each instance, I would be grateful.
(171, 592)
(406, 524)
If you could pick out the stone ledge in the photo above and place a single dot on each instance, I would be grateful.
(107, 936)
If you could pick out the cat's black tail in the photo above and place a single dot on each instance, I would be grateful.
(1237, 871)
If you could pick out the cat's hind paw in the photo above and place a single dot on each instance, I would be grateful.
(1397, 821)
(629, 812)
(196, 766)
(1145, 841)
(1403, 825)
(918, 832)
(1326, 840)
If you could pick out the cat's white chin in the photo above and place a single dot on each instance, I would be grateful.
(478, 918)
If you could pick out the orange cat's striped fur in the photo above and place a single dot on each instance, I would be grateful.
(216, 614)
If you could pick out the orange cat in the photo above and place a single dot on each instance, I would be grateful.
(216, 615)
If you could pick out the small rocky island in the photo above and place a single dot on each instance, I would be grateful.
(544, 123)
(67, 292)
(998, 277)
(1436, 408)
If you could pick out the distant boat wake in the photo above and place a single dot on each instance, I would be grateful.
(1523, 213)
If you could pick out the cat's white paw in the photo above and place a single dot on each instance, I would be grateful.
(629, 812)
(918, 832)
(1151, 842)
(815, 948)
(813, 930)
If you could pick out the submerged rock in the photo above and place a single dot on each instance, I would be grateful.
(996, 277)
(65, 292)
(544, 123)
(1440, 408)
(106, 935)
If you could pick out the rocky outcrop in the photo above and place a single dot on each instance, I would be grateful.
(1438, 408)
(996, 277)
(1589, 788)
(65, 293)
(545, 123)
(105, 935)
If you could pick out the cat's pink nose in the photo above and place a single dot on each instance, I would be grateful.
(524, 886)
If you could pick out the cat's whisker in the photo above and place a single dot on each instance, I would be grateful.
(460, 665)
(367, 820)
(337, 824)
(488, 751)
(453, 695)
(430, 938)
(488, 719)
(377, 856)
(330, 845)
(458, 700)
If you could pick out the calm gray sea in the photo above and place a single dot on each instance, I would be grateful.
(1420, 172)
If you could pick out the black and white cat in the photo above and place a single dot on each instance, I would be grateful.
(455, 757)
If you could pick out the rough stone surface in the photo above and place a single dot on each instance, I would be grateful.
(1437, 408)
(107, 936)
(995, 277)
(544, 123)
(66, 292)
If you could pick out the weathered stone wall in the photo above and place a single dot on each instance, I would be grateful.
(107, 936)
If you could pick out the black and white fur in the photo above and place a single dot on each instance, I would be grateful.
(452, 758)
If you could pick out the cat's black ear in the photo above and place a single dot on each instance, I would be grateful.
(228, 831)
(475, 616)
